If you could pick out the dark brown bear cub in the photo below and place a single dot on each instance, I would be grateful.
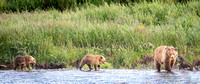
(23, 61)
(92, 59)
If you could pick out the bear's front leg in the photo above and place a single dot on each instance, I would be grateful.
(89, 65)
(167, 65)
(95, 66)
(98, 67)
(172, 63)
(28, 66)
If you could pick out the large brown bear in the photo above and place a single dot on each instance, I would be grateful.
(92, 59)
(23, 61)
(165, 55)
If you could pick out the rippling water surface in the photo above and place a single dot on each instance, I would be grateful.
(98, 77)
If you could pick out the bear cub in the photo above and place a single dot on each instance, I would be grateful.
(92, 59)
(23, 61)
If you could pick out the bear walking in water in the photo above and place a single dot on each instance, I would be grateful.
(165, 55)
(92, 59)
(23, 61)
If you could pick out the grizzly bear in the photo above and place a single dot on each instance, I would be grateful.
(165, 55)
(23, 61)
(92, 59)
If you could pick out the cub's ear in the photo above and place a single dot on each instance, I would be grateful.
(101, 57)
(175, 49)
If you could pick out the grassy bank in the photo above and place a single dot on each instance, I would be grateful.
(120, 33)
(61, 5)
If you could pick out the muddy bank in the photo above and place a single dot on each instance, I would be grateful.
(9, 66)
(146, 61)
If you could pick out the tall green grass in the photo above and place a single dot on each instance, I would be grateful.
(31, 5)
(118, 32)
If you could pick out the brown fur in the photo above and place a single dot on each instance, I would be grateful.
(165, 55)
(23, 61)
(92, 59)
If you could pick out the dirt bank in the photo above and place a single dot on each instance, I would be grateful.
(8, 66)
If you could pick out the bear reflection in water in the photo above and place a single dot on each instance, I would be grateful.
(92, 59)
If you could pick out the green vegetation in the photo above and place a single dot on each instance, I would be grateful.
(102, 66)
(121, 33)
(31, 5)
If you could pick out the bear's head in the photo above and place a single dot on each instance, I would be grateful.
(31, 59)
(172, 52)
(102, 59)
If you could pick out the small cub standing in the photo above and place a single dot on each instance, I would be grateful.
(23, 61)
(92, 59)
(165, 55)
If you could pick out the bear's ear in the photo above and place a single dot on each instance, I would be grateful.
(175, 49)
(167, 48)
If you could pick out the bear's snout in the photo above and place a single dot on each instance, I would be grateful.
(172, 56)
(34, 61)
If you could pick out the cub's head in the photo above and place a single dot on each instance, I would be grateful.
(31, 59)
(102, 59)
(172, 52)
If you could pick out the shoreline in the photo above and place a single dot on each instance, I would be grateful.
(145, 63)
(86, 70)
(123, 34)
(142, 67)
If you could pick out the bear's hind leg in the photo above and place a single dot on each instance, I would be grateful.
(16, 66)
(89, 65)
(95, 66)
(157, 65)
(22, 66)
(81, 64)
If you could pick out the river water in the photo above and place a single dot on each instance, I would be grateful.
(104, 76)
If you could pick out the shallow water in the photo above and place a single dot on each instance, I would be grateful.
(120, 76)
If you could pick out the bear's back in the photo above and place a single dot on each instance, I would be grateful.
(159, 53)
(19, 59)
(90, 58)
(159, 50)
